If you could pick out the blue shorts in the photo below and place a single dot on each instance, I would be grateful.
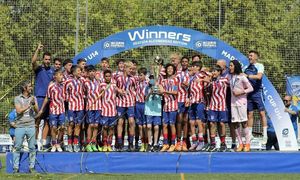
(93, 116)
(108, 121)
(123, 111)
(57, 120)
(76, 116)
(155, 120)
(197, 112)
(217, 116)
(40, 101)
(140, 117)
(169, 117)
(255, 101)
(182, 108)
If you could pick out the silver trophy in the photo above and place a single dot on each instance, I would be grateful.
(155, 71)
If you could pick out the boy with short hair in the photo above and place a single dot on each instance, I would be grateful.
(109, 111)
(74, 91)
(197, 105)
(153, 109)
(182, 116)
(142, 85)
(217, 108)
(93, 106)
(169, 89)
(56, 96)
(126, 103)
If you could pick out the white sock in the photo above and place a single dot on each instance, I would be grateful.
(44, 142)
(265, 131)
(250, 131)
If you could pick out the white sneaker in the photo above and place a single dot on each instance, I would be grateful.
(193, 146)
(264, 140)
(251, 137)
(53, 149)
(58, 148)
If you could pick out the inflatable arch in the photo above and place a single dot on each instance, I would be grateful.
(205, 44)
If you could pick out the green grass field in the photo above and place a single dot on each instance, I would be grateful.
(4, 175)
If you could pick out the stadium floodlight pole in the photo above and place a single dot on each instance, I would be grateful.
(77, 28)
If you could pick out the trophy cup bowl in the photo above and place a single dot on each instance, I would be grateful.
(156, 67)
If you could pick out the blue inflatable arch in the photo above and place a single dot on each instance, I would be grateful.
(203, 43)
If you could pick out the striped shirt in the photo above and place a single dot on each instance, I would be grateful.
(196, 91)
(109, 99)
(141, 91)
(171, 102)
(56, 95)
(116, 74)
(127, 83)
(74, 93)
(183, 77)
(99, 76)
(66, 76)
(218, 96)
(92, 90)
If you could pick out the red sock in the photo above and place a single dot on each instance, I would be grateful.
(194, 138)
(75, 140)
(200, 139)
(222, 139)
(165, 136)
(109, 140)
(213, 140)
(105, 141)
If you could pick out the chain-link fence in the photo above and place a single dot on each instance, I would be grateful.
(65, 27)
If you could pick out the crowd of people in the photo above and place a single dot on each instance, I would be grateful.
(183, 101)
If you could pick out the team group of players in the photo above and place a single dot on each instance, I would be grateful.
(195, 103)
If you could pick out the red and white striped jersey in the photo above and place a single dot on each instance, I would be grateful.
(218, 96)
(127, 83)
(141, 91)
(161, 75)
(99, 76)
(109, 99)
(196, 89)
(183, 77)
(56, 96)
(66, 76)
(92, 91)
(116, 74)
(171, 102)
(74, 91)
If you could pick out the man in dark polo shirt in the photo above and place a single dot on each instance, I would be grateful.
(43, 76)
